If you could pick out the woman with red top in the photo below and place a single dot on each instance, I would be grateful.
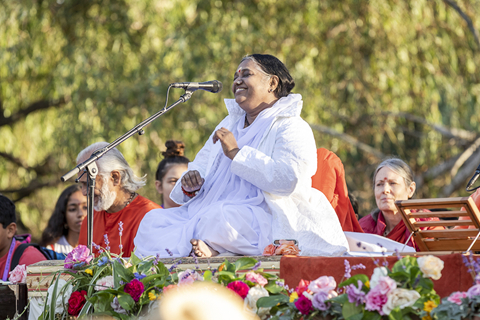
(393, 180)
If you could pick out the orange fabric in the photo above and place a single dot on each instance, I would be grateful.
(476, 198)
(330, 179)
(455, 276)
(107, 223)
(30, 256)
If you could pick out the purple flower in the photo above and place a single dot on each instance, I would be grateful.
(257, 265)
(175, 265)
(358, 266)
(355, 295)
(120, 228)
(168, 251)
(473, 291)
(319, 299)
(107, 243)
(78, 257)
(102, 261)
(139, 276)
(348, 270)
(157, 258)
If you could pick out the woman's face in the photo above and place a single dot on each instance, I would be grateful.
(76, 211)
(251, 88)
(389, 187)
(165, 186)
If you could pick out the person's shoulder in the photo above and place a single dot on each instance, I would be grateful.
(367, 223)
(146, 204)
(31, 255)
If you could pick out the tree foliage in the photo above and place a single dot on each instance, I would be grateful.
(378, 78)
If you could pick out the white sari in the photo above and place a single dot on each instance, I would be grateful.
(236, 207)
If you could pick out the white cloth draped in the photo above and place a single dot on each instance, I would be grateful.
(246, 203)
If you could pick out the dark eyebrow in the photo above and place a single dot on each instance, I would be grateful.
(243, 69)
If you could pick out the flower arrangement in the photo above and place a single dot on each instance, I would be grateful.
(126, 289)
(462, 305)
(283, 247)
(403, 292)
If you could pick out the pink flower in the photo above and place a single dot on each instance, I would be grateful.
(135, 289)
(269, 250)
(188, 277)
(324, 283)
(104, 283)
(239, 287)
(457, 297)
(375, 300)
(169, 287)
(304, 305)
(18, 275)
(302, 286)
(257, 278)
(473, 291)
(78, 257)
(385, 285)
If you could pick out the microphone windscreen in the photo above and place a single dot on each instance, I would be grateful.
(217, 86)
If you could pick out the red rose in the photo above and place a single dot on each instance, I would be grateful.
(135, 289)
(304, 305)
(239, 287)
(76, 302)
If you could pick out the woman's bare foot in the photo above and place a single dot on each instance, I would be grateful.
(201, 249)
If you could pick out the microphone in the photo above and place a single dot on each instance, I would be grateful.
(473, 179)
(213, 86)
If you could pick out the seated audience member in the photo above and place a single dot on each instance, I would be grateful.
(63, 228)
(8, 244)
(251, 182)
(393, 180)
(169, 170)
(330, 180)
(115, 201)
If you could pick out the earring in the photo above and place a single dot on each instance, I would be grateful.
(270, 90)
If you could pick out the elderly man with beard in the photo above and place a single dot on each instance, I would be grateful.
(118, 208)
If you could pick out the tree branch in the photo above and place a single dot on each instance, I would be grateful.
(462, 175)
(467, 19)
(43, 169)
(349, 139)
(36, 106)
(447, 132)
(34, 185)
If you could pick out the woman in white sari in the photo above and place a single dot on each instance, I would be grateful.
(251, 182)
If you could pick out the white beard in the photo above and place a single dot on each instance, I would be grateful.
(105, 200)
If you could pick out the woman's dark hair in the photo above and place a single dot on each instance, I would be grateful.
(56, 224)
(274, 67)
(173, 155)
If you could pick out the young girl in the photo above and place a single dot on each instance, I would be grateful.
(169, 170)
(63, 229)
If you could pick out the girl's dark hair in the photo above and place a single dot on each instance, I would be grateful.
(7, 211)
(173, 155)
(274, 67)
(56, 224)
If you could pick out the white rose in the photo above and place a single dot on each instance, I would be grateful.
(252, 297)
(63, 294)
(431, 266)
(377, 273)
(401, 298)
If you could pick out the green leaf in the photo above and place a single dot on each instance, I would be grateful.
(134, 260)
(350, 309)
(271, 301)
(369, 315)
(121, 273)
(244, 263)
(228, 266)
(126, 301)
(207, 275)
(273, 288)
(354, 280)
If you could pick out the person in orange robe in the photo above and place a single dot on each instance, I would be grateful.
(330, 180)
(118, 208)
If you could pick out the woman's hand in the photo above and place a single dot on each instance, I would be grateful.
(192, 181)
(229, 144)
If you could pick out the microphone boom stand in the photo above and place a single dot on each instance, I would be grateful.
(89, 166)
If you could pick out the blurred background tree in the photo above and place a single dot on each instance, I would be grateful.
(378, 78)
